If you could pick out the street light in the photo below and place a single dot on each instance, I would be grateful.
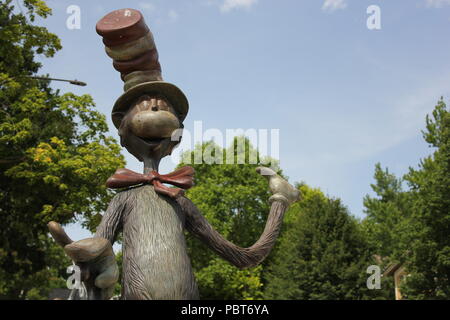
(75, 82)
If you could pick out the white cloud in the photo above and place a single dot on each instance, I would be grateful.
(229, 5)
(437, 3)
(147, 6)
(333, 5)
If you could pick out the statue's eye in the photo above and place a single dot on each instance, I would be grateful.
(162, 105)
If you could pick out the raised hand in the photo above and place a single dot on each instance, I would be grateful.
(95, 257)
(281, 189)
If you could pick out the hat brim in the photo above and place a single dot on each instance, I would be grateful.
(170, 91)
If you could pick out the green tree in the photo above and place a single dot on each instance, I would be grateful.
(54, 157)
(322, 253)
(429, 260)
(234, 199)
(412, 226)
(388, 223)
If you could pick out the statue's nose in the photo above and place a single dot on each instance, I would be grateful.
(148, 105)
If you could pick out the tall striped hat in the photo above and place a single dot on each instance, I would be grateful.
(129, 42)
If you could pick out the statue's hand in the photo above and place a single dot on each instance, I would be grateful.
(95, 257)
(281, 189)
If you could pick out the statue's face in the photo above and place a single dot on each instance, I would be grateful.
(147, 127)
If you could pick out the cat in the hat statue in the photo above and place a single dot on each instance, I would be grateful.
(151, 216)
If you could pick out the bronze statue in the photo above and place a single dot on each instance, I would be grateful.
(152, 216)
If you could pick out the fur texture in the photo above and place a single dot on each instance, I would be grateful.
(155, 260)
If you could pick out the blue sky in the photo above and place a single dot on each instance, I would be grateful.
(344, 97)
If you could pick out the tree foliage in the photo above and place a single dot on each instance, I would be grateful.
(412, 226)
(322, 253)
(55, 156)
(388, 224)
(429, 259)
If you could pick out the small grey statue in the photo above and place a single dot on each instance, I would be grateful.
(152, 216)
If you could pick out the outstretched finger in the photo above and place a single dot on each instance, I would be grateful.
(59, 234)
(264, 171)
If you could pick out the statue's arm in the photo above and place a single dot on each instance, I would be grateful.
(197, 224)
(284, 194)
(111, 223)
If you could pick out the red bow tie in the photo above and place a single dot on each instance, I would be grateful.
(183, 178)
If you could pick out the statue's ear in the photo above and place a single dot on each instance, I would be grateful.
(117, 118)
(123, 122)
